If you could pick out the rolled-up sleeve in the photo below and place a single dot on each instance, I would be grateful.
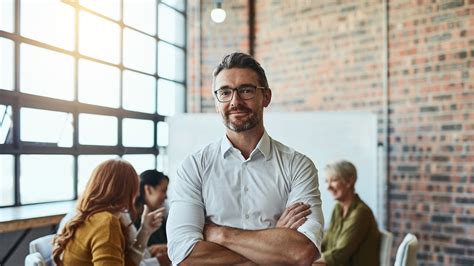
(305, 188)
(186, 217)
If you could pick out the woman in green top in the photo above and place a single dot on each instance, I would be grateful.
(353, 237)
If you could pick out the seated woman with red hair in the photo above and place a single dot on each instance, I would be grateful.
(96, 235)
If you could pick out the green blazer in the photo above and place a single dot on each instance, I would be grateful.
(354, 239)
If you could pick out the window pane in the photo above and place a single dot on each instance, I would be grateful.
(162, 160)
(6, 64)
(97, 130)
(140, 14)
(138, 133)
(138, 92)
(46, 126)
(46, 73)
(99, 38)
(48, 21)
(170, 97)
(141, 162)
(170, 25)
(109, 8)
(162, 139)
(6, 15)
(7, 164)
(46, 178)
(6, 124)
(170, 62)
(178, 4)
(99, 84)
(86, 164)
(139, 51)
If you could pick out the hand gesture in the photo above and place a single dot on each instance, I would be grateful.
(294, 216)
(151, 221)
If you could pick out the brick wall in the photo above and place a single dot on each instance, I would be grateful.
(328, 55)
(208, 42)
(432, 127)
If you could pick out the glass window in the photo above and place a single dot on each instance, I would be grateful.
(162, 138)
(46, 126)
(86, 164)
(140, 14)
(7, 14)
(139, 51)
(7, 64)
(170, 62)
(97, 130)
(46, 73)
(6, 124)
(178, 4)
(138, 92)
(50, 21)
(138, 133)
(99, 84)
(81, 73)
(109, 8)
(170, 25)
(45, 178)
(170, 97)
(162, 160)
(99, 38)
(141, 162)
(7, 177)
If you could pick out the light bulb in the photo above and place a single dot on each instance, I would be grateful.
(218, 15)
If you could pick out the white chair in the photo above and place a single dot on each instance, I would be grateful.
(386, 239)
(406, 252)
(41, 250)
(34, 259)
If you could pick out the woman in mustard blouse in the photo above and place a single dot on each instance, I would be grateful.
(353, 237)
(96, 235)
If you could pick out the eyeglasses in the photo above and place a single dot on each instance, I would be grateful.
(245, 92)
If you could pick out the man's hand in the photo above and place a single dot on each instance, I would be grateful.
(294, 216)
(157, 249)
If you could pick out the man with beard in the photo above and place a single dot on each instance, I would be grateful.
(246, 199)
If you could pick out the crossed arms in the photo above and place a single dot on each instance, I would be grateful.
(272, 240)
(281, 245)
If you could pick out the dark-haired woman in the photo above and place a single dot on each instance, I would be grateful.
(153, 188)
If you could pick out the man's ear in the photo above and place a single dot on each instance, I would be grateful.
(267, 97)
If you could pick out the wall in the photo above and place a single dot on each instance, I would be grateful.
(329, 55)
(8, 239)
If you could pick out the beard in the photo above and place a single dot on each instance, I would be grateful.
(250, 122)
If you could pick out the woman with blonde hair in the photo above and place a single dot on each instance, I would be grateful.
(353, 237)
(96, 235)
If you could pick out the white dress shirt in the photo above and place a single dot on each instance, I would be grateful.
(218, 184)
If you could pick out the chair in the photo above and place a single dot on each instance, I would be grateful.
(406, 252)
(34, 259)
(386, 239)
(41, 250)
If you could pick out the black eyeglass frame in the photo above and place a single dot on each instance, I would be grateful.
(238, 93)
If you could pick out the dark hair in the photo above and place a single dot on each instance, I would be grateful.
(241, 60)
(152, 178)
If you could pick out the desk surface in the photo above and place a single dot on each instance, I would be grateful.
(31, 216)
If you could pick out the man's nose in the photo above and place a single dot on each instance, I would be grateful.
(236, 100)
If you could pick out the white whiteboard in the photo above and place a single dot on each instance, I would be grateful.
(322, 136)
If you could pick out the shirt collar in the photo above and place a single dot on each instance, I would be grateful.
(263, 145)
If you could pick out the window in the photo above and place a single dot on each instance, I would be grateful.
(84, 82)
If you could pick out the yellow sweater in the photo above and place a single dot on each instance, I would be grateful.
(98, 241)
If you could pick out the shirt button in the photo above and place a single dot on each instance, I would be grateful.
(246, 216)
(246, 189)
